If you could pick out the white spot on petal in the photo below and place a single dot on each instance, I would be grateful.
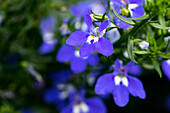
(79, 108)
(168, 62)
(92, 38)
(77, 54)
(125, 81)
(117, 80)
(132, 6)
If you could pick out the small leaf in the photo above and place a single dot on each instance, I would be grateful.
(162, 21)
(165, 56)
(141, 52)
(130, 50)
(157, 67)
(123, 19)
(141, 18)
(159, 26)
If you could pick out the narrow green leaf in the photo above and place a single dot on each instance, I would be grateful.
(123, 19)
(130, 50)
(165, 56)
(157, 67)
(141, 18)
(162, 22)
(159, 26)
(141, 52)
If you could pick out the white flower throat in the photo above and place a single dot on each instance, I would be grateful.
(118, 79)
(80, 108)
(94, 36)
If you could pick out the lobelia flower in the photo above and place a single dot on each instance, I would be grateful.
(78, 64)
(79, 104)
(120, 84)
(135, 9)
(84, 7)
(92, 39)
(47, 26)
(166, 67)
(64, 27)
(60, 90)
(144, 45)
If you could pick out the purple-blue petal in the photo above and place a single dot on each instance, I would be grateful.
(166, 67)
(67, 109)
(88, 20)
(65, 53)
(104, 46)
(137, 12)
(93, 59)
(86, 49)
(135, 87)
(46, 47)
(51, 95)
(129, 65)
(139, 2)
(78, 65)
(135, 70)
(104, 84)
(103, 26)
(77, 38)
(122, 24)
(95, 105)
(117, 66)
(121, 95)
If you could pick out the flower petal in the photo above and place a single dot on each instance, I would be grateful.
(135, 87)
(46, 47)
(88, 20)
(137, 12)
(65, 53)
(139, 2)
(104, 46)
(117, 66)
(121, 95)
(77, 38)
(135, 70)
(122, 24)
(93, 59)
(78, 65)
(68, 109)
(105, 84)
(96, 105)
(166, 67)
(103, 26)
(86, 49)
(51, 95)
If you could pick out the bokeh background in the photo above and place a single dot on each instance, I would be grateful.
(25, 70)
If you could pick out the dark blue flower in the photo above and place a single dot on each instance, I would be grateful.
(47, 26)
(92, 39)
(60, 90)
(167, 103)
(79, 104)
(135, 8)
(120, 84)
(78, 64)
(166, 67)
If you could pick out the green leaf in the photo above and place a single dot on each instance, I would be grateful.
(123, 19)
(141, 52)
(141, 18)
(159, 26)
(157, 67)
(162, 21)
(165, 56)
(130, 50)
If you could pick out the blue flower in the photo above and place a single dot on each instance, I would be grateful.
(92, 39)
(167, 103)
(64, 27)
(78, 64)
(166, 67)
(60, 90)
(120, 84)
(47, 26)
(135, 8)
(79, 104)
